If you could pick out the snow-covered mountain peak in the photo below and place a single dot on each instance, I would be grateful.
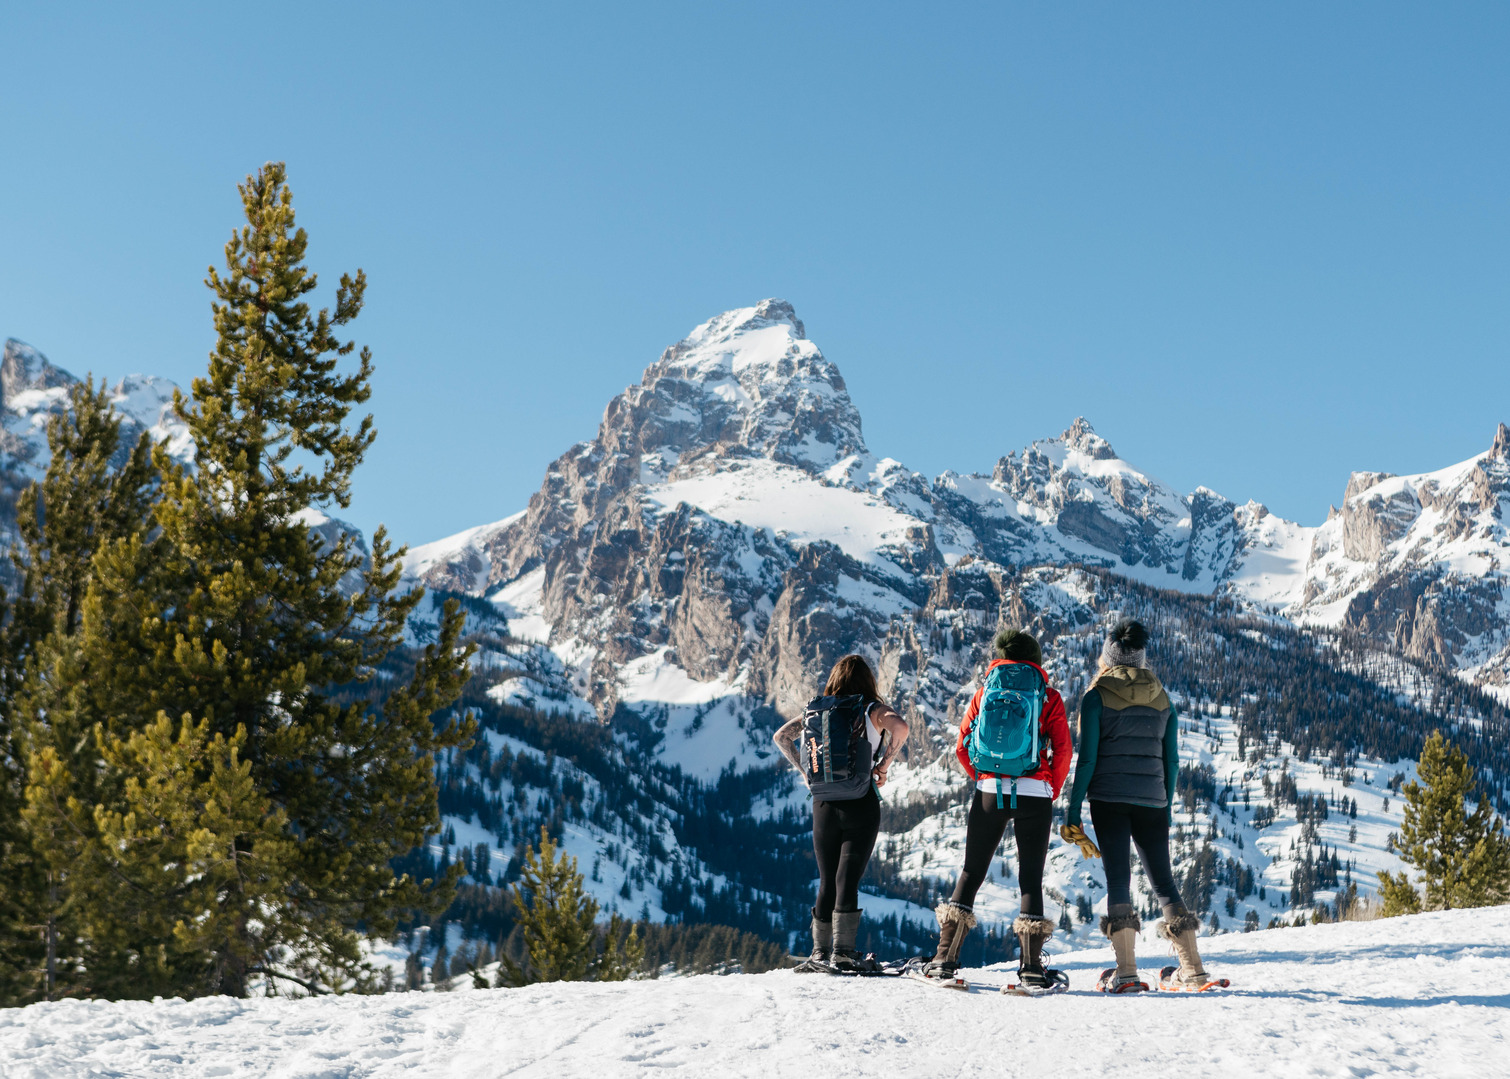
(746, 383)
(772, 314)
(1082, 438)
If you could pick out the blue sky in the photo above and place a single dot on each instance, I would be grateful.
(1258, 246)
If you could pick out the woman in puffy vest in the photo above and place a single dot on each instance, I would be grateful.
(1129, 757)
(845, 823)
(1028, 800)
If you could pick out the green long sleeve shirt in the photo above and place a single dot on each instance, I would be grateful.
(1090, 742)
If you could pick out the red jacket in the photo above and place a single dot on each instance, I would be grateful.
(1053, 728)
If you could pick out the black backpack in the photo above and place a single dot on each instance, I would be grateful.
(835, 753)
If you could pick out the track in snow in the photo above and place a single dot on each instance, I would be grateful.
(1428, 995)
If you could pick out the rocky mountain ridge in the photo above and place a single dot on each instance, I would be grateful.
(728, 533)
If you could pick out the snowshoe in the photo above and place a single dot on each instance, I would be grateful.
(1038, 983)
(813, 965)
(1169, 981)
(853, 963)
(1108, 983)
(859, 966)
(943, 975)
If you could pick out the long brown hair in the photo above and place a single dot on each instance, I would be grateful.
(852, 675)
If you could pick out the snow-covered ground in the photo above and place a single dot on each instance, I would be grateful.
(1427, 995)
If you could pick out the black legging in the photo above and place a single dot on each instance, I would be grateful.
(843, 835)
(984, 827)
(1119, 824)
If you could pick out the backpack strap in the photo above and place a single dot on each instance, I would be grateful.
(1014, 791)
(828, 748)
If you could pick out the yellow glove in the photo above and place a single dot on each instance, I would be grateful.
(1074, 833)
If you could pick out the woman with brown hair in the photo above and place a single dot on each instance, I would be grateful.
(841, 757)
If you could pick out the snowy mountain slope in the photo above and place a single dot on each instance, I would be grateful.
(1427, 995)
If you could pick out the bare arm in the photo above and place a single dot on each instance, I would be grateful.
(895, 730)
(786, 741)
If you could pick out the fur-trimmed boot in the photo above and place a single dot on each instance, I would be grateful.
(1121, 927)
(955, 923)
(846, 959)
(823, 948)
(1032, 931)
(1179, 927)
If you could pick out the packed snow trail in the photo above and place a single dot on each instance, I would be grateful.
(1428, 995)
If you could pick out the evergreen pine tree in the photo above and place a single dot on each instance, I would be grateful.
(220, 651)
(557, 917)
(1463, 857)
(95, 490)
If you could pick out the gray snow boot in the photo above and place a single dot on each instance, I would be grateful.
(955, 923)
(823, 949)
(846, 960)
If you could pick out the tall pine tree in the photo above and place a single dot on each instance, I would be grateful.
(251, 807)
(1463, 856)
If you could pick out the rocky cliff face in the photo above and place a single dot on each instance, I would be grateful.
(1420, 562)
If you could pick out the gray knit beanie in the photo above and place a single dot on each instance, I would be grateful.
(1126, 645)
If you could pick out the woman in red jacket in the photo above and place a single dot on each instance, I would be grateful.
(1028, 800)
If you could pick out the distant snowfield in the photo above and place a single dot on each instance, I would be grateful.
(1428, 995)
(791, 503)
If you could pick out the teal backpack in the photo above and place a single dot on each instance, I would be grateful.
(1004, 740)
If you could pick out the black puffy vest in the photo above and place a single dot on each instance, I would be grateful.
(1130, 757)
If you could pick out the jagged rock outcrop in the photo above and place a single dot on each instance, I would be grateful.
(1420, 562)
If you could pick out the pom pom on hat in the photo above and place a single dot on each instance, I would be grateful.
(1126, 645)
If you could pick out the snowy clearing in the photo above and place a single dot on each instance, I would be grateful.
(1428, 995)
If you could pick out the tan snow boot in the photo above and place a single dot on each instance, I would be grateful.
(1179, 927)
(1121, 929)
(955, 923)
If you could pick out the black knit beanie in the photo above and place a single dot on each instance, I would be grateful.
(1019, 645)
